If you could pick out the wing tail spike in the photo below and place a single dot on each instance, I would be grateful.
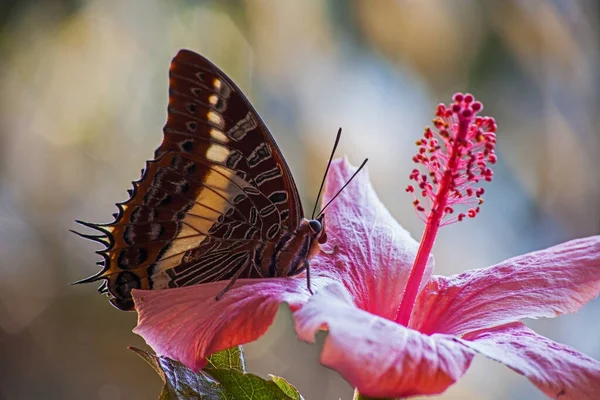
(95, 226)
(103, 288)
(95, 238)
(89, 279)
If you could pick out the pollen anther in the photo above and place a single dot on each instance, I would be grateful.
(457, 153)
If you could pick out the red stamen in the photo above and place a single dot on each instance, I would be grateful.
(459, 153)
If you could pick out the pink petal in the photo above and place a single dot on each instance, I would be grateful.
(373, 261)
(187, 324)
(375, 254)
(545, 283)
(557, 370)
(375, 355)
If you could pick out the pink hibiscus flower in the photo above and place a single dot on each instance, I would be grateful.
(394, 329)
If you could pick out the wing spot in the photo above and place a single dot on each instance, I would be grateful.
(219, 136)
(242, 127)
(239, 198)
(132, 257)
(273, 230)
(253, 215)
(268, 210)
(252, 191)
(214, 118)
(260, 154)
(271, 174)
(217, 153)
(278, 197)
(187, 145)
(191, 126)
(125, 283)
(234, 159)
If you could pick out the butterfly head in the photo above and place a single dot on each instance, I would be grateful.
(316, 230)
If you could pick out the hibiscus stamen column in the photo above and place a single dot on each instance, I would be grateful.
(456, 154)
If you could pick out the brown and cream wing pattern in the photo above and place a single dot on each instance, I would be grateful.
(217, 193)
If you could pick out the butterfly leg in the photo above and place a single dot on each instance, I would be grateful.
(332, 251)
(307, 266)
(230, 284)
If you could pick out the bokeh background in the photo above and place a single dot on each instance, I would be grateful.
(83, 93)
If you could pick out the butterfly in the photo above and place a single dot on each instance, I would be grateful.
(217, 202)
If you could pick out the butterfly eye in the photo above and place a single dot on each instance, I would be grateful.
(315, 225)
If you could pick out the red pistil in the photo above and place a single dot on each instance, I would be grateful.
(456, 153)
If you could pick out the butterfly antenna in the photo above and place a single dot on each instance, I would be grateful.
(337, 140)
(345, 184)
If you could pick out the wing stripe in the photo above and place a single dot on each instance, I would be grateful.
(230, 263)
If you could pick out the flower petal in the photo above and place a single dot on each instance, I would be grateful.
(377, 356)
(545, 283)
(374, 253)
(558, 370)
(187, 324)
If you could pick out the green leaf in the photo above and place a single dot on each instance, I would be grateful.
(232, 358)
(150, 359)
(287, 387)
(248, 386)
(181, 383)
(223, 379)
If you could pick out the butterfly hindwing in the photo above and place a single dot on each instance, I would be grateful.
(216, 193)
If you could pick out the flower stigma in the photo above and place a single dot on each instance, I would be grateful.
(456, 153)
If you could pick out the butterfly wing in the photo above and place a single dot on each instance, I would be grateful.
(217, 191)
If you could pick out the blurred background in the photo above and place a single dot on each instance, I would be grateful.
(83, 94)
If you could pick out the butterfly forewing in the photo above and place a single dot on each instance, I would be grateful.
(216, 194)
